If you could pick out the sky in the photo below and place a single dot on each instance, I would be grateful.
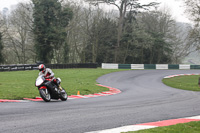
(176, 7)
(8, 3)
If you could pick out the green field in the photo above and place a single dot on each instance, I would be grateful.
(21, 84)
(184, 82)
(191, 127)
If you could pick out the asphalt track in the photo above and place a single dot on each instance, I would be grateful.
(144, 98)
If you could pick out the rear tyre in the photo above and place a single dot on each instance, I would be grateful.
(63, 95)
(44, 93)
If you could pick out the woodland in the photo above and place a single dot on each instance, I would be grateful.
(96, 31)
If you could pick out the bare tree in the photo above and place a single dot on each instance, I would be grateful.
(80, 32)
(2, 30)
(123, 7)
(19, 35)
(179, 37)
(77, 33)
(193, 12)
(159, 24)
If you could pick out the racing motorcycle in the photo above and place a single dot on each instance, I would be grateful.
(50, 89)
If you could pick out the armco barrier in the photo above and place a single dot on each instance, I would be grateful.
(109, 66)
(161, 66)
(124, 66)
(194, 66)
(52, 66)
(149, 66)
(137, 66)
(184, 66)
(171, 66)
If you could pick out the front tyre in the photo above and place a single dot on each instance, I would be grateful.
(63, 95)
(44, 93)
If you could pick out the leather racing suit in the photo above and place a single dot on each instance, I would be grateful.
(48, 73)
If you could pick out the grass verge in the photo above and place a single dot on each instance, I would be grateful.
(183, 82)
(20, 84)
(191, 127)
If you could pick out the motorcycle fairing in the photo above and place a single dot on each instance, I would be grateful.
(39, 81)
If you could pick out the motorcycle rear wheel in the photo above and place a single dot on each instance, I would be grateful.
(44, 93)
(63, 95)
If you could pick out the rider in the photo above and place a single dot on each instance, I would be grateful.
(47, 72)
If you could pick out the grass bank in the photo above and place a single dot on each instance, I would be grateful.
(20, 84)
(191, 127)
(183, 82)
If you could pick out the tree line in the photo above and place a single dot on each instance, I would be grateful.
(55, 31)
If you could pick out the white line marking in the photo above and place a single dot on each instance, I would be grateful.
(124, 129)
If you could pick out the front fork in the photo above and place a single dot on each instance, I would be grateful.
(60, 87)
(46, 91)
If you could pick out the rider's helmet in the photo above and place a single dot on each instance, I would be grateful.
(42, 68)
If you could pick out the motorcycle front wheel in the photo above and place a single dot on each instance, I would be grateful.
(63, 95)
(44, 93)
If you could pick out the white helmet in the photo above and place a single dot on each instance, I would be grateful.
(42, 67)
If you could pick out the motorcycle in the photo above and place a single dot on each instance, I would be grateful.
(50, 89)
